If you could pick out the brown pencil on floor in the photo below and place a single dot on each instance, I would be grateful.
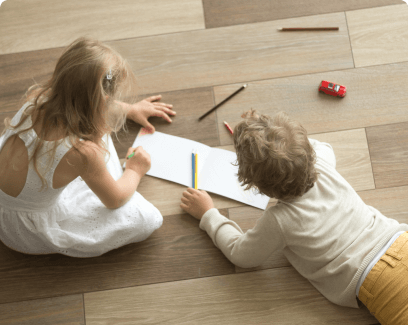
(286, 29)
(230, 96)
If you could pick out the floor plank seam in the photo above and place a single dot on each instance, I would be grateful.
(83, 307)
(369, 154)
(351, 46)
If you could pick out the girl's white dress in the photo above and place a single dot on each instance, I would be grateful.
(70, 220)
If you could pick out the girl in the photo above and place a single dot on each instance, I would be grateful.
(62, 188)
(345, 248)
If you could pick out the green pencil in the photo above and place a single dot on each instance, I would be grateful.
(131, 155)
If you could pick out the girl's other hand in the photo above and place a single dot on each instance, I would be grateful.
(196, 202)
(149, 107)
(140, 162)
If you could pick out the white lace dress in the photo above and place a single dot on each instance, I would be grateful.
(70, 220)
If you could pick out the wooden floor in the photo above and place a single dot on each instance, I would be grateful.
(195, 53)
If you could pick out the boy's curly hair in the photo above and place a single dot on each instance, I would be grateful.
(274, 155)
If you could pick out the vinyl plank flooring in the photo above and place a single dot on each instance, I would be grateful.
(374, 97)
(280, 296)
(237, 53)
(352, 156)
(379, 35)
(391, 202)
(188, 104)
(178, 250)
(51, 311)
(234, 12)
(43, 24)
(389, 152)
(20, 71)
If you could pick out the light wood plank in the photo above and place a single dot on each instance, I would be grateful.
(375, 96)
(237, 53)
(178, 250)
(391, 202)
(379, 35)
(43, 24)
(233, 12)
(280, 296)
(352, 156)
(353, 163)
(389, 151)
(59, 310)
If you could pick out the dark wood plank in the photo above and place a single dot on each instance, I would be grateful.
(388, 146)
(233, 12)
(58, 310)
(189, 105)
(176, 251)
(20, 71)
(280, 297)
(374, 97)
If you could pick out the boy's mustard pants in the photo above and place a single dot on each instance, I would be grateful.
(385, 289)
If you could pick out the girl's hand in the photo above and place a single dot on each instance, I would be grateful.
(196, 202)
(148, 107)
(140, 162)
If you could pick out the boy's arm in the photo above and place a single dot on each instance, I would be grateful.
(244, 250)
(324, 151)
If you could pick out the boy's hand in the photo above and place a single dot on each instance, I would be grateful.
(196, 202)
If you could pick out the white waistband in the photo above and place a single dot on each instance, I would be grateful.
(375, 259)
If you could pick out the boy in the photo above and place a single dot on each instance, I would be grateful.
(329, 235)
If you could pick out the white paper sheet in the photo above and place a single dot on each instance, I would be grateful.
(171, 160)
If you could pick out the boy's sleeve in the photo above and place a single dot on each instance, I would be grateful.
(324, 151)
(244, 250)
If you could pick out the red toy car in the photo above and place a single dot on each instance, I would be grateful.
(331, 88)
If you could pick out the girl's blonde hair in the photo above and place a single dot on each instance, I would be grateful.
(274, 155)
(80, 98)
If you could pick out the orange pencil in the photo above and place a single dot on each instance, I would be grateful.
(228, 127)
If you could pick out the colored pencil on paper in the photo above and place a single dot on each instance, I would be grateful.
(193, 168)
(291, 29)
(219, 104)
(228, 127)
(196, 165)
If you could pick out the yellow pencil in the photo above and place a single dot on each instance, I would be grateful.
(195, 176)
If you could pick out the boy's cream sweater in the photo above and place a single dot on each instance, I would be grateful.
(329, 234)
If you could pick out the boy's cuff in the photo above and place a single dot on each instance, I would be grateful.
(211, 221)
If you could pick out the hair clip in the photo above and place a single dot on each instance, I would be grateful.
(109, 75)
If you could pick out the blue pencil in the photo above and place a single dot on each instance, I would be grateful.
(193, 164)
